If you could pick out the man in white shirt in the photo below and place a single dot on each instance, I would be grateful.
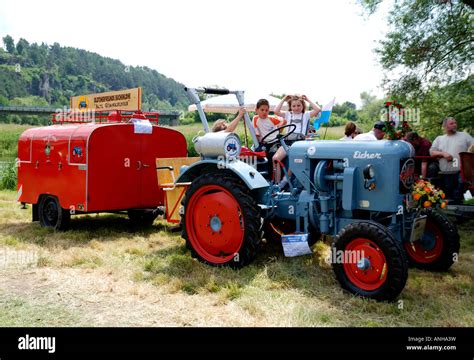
(447, 148)
(377, 133)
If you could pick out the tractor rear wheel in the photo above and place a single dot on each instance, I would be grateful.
(368, 261)
(438, 249)
(221, 221)
(51, 214)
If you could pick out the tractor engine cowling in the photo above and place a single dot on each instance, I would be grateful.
(367, 175)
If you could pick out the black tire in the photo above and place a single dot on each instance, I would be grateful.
(249, 212)
(448, 247)
(143, 217)
(51, 215)
(379, 239)
(273, 228)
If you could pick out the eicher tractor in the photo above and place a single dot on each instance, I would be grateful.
(358, 192)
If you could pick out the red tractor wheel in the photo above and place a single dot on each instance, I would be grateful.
(221, 224)
(438, 247)
(368, 261)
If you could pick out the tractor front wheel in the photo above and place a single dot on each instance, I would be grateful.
(438, 248)
(368, 261)
(221, 221)
(51, 214)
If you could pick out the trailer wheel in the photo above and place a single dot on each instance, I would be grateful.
(51, 214)
(143, 217)
(438, 249)
(368, 261)
(221, 221)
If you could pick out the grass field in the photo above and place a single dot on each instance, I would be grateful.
(9, 135)
(102, 273)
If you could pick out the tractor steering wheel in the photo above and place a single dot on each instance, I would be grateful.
(279, 136)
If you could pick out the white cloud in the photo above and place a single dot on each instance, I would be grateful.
(320, 48)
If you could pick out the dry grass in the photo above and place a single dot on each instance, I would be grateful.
(102, 273)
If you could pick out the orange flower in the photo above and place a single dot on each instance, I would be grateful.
(426, 189)
(443, 205)
(427, 204)
(416, 197)
(443, 196)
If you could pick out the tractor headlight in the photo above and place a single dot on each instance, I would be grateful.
(369, 172)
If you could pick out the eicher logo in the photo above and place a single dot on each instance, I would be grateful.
(37, 343)
(366, 155)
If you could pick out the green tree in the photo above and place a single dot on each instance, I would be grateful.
(22, 46)
(9, 44)
(346, 110)
(371, 109)
(429, 43)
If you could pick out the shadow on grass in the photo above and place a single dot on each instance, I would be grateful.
(269, 270)
(313, 277)
(82, 230)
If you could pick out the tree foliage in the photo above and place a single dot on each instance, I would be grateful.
(428, 54)
(9, 44)
(429, 42)
(55, 73)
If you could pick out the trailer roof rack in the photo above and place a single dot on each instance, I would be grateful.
(102, 116)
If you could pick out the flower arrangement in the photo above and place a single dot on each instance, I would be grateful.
(426, 195)
(396, 126)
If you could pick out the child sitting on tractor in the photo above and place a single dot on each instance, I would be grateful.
(297, 116)
(223, 125)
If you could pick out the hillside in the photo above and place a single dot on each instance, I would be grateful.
(42, 74)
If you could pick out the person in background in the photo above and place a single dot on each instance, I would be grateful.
(357, 131)
(223, 125)
(349, 131)
(447, 148)
(422, 148)
(377, 133)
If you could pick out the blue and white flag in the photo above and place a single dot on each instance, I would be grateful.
(324, 115)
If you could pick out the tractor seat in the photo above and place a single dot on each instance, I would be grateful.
(247, 152)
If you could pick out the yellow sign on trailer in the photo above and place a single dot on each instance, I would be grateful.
(126, 100)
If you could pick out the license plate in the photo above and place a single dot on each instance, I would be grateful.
(418, 228)
(295, 245)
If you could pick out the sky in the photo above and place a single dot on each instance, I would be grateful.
(323, 49)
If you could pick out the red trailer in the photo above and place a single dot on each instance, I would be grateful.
(78, 167)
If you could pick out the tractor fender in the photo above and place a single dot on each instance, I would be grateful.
(249, 175)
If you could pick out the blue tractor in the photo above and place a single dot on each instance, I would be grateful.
(357, 192)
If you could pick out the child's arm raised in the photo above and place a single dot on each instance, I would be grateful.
(233, 125)
(316, 109)
(277, 110)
